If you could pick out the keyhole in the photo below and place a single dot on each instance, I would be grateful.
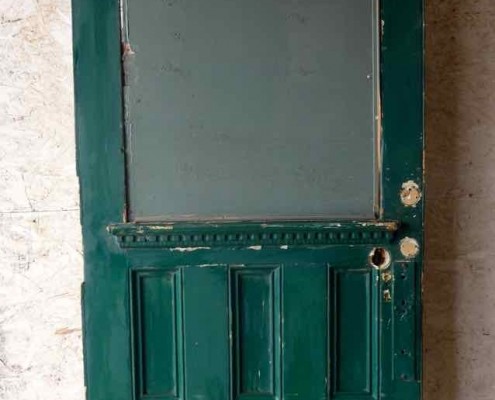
(379, 258)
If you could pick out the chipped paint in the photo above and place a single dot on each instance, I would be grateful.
(410, 194)
(189, 249)
(127, 50)
(145, 228)
(391, 226)
(386, 277)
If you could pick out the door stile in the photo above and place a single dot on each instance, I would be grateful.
(402, 93)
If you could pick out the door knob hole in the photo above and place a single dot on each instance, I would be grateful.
(380, 258)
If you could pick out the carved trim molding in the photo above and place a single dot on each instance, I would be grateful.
(208, 235)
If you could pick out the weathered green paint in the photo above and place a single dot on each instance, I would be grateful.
(248, 234)
(158, 333)
(147, 307)
(206, 305)
(305, 366)
(256, 318)
(351, 328)
(403, 144)
(100, 166)
(241, 109)
(295, 327)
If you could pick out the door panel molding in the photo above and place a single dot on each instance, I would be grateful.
(256, 317)
(352, 315)
(253, 234)
(255, 331)
(158, 333)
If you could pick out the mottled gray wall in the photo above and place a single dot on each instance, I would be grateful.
(40, 251)
(459, 284)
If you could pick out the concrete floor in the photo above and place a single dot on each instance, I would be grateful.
(40, 252)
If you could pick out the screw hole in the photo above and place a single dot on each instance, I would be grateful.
(380, 258)
(410, 194)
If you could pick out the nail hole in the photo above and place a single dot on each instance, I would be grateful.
(379, 258)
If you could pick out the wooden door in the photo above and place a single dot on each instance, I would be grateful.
(251, 192)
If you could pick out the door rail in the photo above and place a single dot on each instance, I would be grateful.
(249, 234)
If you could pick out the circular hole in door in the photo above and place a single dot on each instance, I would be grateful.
(380, 258)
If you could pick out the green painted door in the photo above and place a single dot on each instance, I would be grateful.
(251, 193)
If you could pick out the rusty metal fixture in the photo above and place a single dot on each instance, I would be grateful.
(386, 277)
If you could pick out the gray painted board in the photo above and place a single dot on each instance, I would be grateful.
(250, 109)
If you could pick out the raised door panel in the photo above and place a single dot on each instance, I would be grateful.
(261, 332)
(206, 333)
(256, 316)
(305, 331)
(158, 333)
(352, 333)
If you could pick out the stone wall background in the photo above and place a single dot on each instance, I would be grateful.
(460, 159)
(40, 250)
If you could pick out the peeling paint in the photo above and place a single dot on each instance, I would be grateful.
(189, 249)
(391, 226)
(386, 277)
(410, 194)
(127, 50)
(145, 228)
